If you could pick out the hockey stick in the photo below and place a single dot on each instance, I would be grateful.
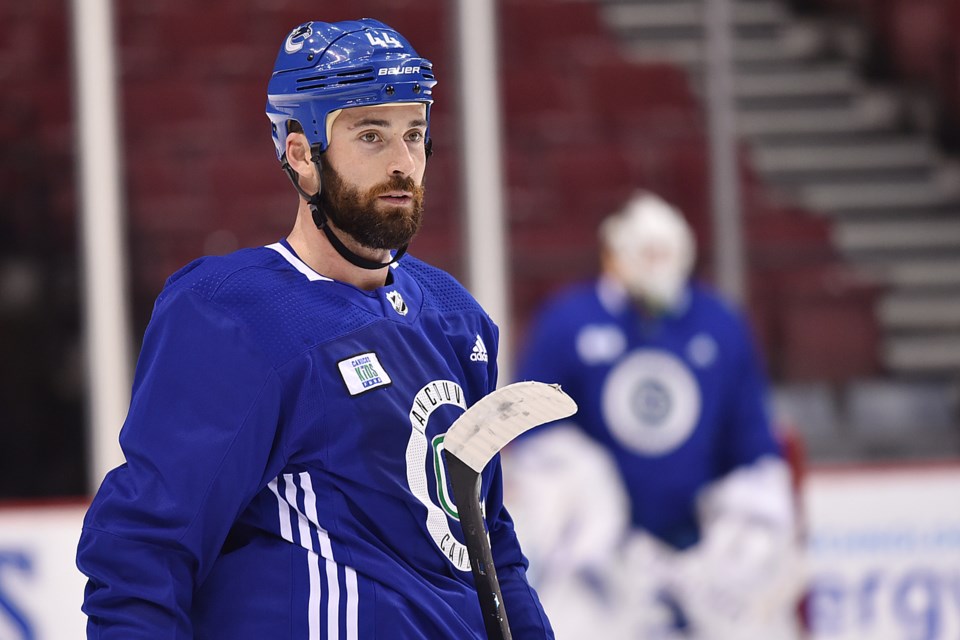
(470, 443)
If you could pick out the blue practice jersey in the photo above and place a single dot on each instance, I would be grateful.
(679, 400)
(284, 476)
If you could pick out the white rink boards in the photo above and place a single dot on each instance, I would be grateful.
(884, 552)
(41, 589)
(884, 558)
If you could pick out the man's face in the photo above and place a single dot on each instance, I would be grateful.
(373, 173)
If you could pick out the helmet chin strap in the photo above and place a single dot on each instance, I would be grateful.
(321, 219)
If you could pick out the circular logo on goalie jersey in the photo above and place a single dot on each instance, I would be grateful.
(651, 402)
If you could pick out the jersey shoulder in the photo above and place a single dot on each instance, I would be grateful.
(711, 306)
(578, 296)
(205, 275)
(285, 312)
(726, 321)
(441, 291)
(572, 307)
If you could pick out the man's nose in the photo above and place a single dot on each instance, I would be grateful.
(402, 162)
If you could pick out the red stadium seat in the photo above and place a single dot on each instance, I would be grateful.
(821, 320)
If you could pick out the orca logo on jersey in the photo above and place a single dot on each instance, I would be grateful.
(425, 457)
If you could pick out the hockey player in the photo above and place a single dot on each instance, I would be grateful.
(283, 474)
(672, 401)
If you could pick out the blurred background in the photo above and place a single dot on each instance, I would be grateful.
(847, 132)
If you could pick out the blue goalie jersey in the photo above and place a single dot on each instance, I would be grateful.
(679, 400)
(284, 474)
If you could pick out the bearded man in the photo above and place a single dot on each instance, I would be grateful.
(284, 474)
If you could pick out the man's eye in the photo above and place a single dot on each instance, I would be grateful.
(369, 136)
(415, 136)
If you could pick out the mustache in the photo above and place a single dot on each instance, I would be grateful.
(397, 183)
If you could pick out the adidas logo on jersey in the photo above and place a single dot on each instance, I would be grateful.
(479, 353)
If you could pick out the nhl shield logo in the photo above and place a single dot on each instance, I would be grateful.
(397, 301)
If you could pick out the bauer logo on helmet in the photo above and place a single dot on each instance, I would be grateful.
(397, 71)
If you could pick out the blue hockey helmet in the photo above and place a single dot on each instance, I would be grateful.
(323, 67)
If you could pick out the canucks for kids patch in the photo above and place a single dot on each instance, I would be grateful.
(362, 373)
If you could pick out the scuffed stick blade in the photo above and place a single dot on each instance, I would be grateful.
(496, 419)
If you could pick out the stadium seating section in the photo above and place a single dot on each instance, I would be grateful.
(917, 41)
(583, 128)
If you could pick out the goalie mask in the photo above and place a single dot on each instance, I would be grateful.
(650, 249)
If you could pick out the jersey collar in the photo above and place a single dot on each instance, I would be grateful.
(285, 250)
(399, 300)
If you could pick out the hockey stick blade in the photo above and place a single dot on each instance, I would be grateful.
(496, 419)
(470, 443)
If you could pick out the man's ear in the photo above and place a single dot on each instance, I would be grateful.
(298, 154)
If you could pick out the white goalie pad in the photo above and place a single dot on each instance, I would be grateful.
(597, 578)
(566, 499)
(571, 515)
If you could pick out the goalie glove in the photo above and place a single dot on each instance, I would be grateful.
(742, 581)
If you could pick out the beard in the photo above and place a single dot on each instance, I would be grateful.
(372, 223)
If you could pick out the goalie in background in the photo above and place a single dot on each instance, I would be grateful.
(664, 509)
